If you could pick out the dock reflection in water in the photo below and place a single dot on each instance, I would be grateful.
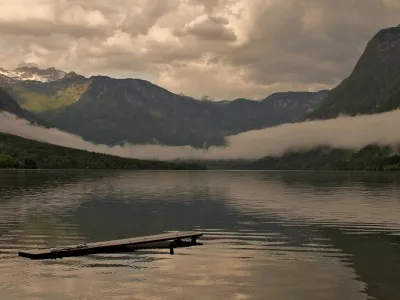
(268, 235)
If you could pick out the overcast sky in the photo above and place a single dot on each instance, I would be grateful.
(222, 48)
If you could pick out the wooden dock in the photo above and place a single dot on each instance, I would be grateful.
(160, 241)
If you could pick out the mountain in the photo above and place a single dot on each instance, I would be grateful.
(17, 152)
(374, 84)
(372, 87)
(33, 73)
(114, 111)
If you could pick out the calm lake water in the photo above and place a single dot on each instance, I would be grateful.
(268, 235)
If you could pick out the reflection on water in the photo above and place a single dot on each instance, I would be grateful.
(268, 235)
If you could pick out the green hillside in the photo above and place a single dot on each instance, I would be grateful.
(38, 97)
(371, 158)
(8, 104)
(18, 152)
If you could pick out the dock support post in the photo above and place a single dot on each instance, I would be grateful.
(171, 250)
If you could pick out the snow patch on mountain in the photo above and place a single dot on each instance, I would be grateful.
(34, 73)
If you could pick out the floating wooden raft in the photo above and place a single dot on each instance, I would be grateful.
(160, 241)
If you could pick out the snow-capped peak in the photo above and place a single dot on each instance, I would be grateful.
(34, 73)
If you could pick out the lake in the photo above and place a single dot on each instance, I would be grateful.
(267, 235)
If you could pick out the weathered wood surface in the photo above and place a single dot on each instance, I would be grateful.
(165, 240)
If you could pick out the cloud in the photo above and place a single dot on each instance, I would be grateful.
(342, 132)
(222, 48)
(212, 28)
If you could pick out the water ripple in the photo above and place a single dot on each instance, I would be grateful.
(285, 235)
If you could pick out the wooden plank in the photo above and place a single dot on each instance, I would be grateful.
(122, 245)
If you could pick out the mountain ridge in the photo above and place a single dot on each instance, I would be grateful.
(113, 111)
(3, 72)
